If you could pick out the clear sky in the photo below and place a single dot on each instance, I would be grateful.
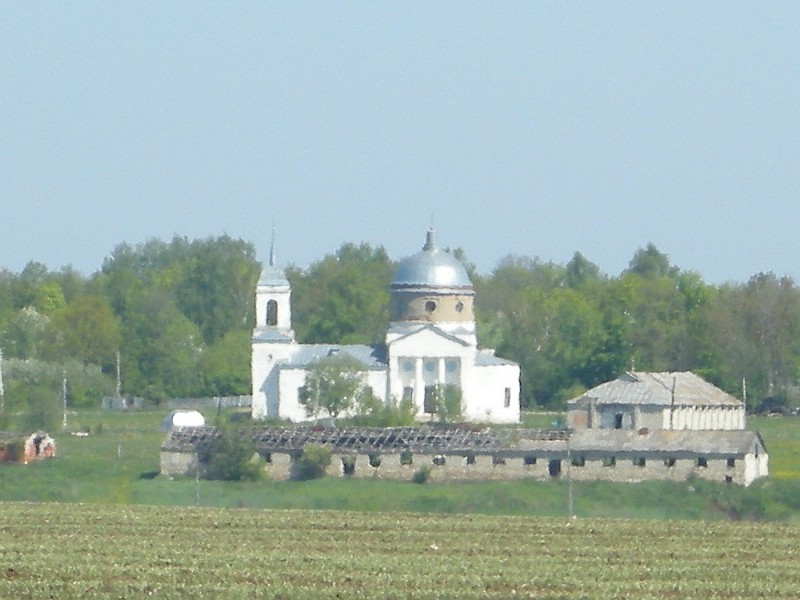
(534, 128)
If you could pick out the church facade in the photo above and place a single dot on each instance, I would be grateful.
(430, 342)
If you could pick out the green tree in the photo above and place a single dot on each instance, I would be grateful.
(85, 329)
(447, 403)
(343, 298)
(226, 365)
(24, 334)
(161, 347)
(312, 462)
(232, 457)
(332, 383)
(649, 262)
(215, 286)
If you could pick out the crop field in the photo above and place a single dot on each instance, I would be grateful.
(90, 551)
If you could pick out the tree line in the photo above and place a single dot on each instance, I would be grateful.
(176, 317)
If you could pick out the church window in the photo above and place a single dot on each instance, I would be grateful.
(408, 394)
(459, 306)
(272, 313)
(507, 399)
(430, 306)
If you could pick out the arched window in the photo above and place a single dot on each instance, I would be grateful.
(272, 313)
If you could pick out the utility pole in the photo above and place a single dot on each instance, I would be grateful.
(570, 509)
(64, 395)
(119, 379)
(2, 389)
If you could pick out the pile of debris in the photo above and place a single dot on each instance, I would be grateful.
(21, 448)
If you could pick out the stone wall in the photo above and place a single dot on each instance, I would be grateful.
(502, 467)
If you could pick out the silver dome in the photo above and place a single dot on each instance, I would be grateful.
(432, 268)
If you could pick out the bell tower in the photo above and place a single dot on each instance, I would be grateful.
(273, 297)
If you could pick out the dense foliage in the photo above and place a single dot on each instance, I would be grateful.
(179, 316)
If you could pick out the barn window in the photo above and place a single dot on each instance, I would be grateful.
(498, 460)
(272, 313)
(728, 479)
(374, 460)
(578, 461)
(406, 458)
(702, 462)
(610, 461)
(618, 421)
(554, 468)
(507, 399)
(430, 306)
(439, 460)
(348, 465)
(530, 460)
(469, 459)
(669, 462)
(639, 462)
(731, 463)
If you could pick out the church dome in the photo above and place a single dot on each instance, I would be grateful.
(432, 268)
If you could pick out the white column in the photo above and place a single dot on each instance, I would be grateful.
(440, 372)
(419, 385)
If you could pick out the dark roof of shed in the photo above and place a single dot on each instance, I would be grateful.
(363, 439)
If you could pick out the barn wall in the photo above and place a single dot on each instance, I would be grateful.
(540, 466)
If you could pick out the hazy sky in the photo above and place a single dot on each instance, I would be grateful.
(534, 128)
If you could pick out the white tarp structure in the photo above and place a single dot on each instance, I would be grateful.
(183, 418)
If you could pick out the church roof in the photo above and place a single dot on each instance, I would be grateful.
(407, 332)
(271, 275)
(274, 336)
(487, 358)
(663, 389)
(432, 268)
(372, 357)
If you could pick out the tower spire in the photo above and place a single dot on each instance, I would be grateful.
(272, 247)
(430, 240)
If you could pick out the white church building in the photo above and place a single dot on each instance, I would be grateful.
(430, 341)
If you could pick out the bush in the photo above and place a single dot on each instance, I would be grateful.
(312, 463)
(422, 475)
(232, 457)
